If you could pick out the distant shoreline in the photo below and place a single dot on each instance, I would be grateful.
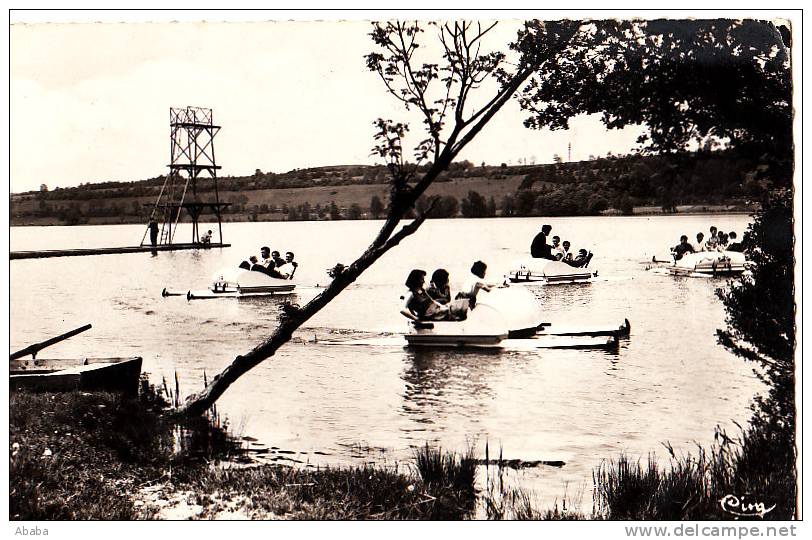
(274, 217)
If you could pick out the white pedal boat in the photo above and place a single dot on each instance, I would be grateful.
(709, 263)
(240, 283)
(499, 314)
(548, 272)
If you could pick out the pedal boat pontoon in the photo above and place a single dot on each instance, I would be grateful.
(548, 272)
(239, 283)
(709, 264)
(497, 315)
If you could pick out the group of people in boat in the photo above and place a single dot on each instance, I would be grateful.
(557, 251)
(434, 303)
(717, 241)
(271, 263)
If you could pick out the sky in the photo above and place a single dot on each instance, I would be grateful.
(90, 101)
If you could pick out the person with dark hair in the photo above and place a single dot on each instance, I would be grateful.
(289, 267)
(153, 231)
(439, 289)
(682, 248)
(540, 249)
(266, 265)
(476, 282)
(277, 259)
(556, 250)
(566, 254)
(265, 254)
(735, 246)
(700, 245)
(713, 240)
(581, 260)
(722, 244)
(256, 266)
(206, 238)
(419, 305)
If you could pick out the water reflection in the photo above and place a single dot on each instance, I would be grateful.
(439, 383)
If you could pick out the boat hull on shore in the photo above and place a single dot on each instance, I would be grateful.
(548, 272)
(59, 375)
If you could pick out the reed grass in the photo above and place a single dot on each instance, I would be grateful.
(690, 486)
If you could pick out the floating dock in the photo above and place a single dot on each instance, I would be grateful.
(44, 254)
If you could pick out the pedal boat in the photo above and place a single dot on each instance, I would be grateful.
(498, 315)
(548, 272)
(240, 283)
(709, 264)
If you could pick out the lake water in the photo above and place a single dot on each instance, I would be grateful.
(326, 404)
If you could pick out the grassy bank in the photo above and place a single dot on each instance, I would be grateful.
(83, 456)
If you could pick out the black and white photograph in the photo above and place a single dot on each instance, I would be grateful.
(406, 265)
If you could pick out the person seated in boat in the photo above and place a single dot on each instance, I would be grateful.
(206, 238)
(567, 254)
(722, 242)
(277, 259)
(682, 248)
(419, 306)
(713, 240)
(700, 244)
(288, 268)
(440, 291)
(266, 264)
(556, 249)
(581, 260)
(540, 249)
(734, 245)
(256, 266)
(265, 257)
(476, 282)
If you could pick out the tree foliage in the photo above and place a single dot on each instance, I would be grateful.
(761, 307)
(688, 81)
(441, 93)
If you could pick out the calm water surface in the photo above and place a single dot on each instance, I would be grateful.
(327, 404)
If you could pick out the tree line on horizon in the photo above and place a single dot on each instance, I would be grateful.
(612, 183)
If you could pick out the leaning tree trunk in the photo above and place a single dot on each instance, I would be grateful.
(402, 201)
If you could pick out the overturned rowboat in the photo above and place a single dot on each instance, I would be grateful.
(548, 272)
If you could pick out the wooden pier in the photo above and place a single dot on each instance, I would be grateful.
(80, 252)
